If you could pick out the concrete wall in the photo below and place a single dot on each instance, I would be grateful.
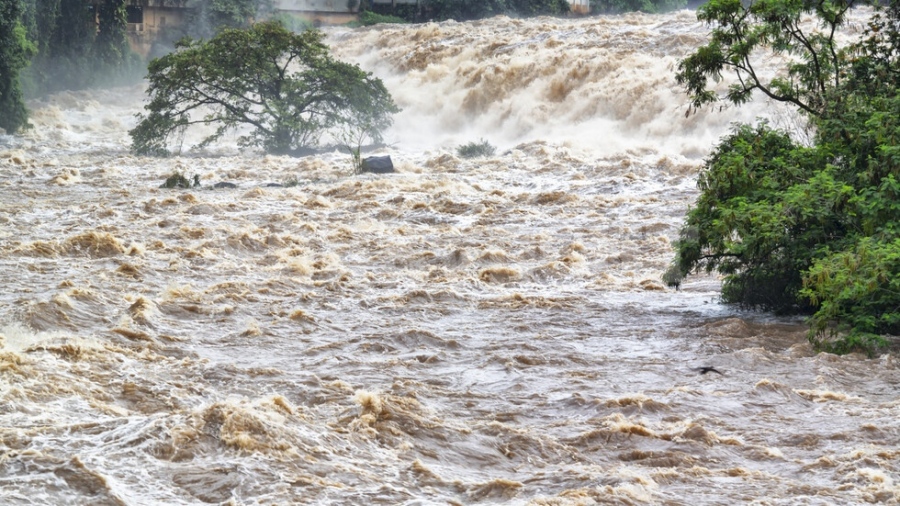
(142, 35)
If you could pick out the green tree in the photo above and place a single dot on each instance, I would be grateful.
(64, 34)
(111, 44)
(746, 32)
(73, 50)
(15, 49)
(284, 86)
(803, 228)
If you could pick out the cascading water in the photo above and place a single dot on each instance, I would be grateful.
(464, 331)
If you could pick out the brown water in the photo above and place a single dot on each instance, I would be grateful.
(488, 331)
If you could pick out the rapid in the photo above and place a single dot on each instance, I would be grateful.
(465, 331)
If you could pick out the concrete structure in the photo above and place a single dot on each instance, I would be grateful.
(147, 18)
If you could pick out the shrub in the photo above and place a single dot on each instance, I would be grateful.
(475, 149)
(369, 18)
(178, 180)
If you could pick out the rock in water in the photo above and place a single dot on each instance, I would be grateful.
(378, 164)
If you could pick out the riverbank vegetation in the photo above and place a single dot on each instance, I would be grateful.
(794, 227)
(14, 53)
(467, 10)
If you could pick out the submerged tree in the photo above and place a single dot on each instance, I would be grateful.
(803, 228)
(282, 85)
(14, 53)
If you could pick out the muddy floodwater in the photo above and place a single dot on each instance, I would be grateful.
(464, 331)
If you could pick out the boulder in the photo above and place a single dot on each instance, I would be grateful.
(378, 164)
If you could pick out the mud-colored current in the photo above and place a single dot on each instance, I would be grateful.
(484, 331)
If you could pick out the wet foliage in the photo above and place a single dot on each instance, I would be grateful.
(284, 86)
(475, 149)
(798, 228)
(650, 6)
(78, 45)
(14, 52)
(465, 10)
(369, 18)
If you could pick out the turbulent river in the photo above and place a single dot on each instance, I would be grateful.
(465, 331)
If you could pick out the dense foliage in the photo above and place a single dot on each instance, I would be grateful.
(282, 85)
(651, 6)
(803, 228)
(78, 45)
(369, 18)
(476, 149)
(14, 52)
(464, 10)
(213, 15)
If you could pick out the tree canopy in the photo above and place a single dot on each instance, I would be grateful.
(745, 32)
(803, 228)
(284, 86)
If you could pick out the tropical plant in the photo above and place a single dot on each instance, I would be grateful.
(803, 228)
(283, 86)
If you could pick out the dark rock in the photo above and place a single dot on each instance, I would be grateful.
(378, 164)
(224, 184)
(274, 185)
